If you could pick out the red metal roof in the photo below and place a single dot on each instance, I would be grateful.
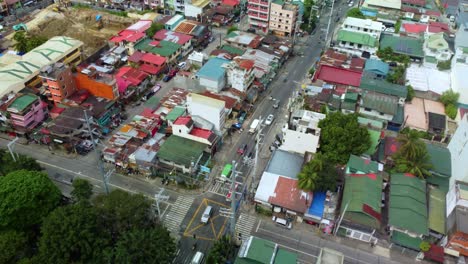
(153, 59)
(337, 75)
(201, 133)
(421, 3)
(245, 64)
(149, 68)
(357, 64)
(371, 176)
(437, 27)
(172, 36)
(289, 196)
(185, 27)
(414, 27)
(231, 2)
(183, 120)
(127, 35)
(229, 101)
(136, 56)
(432, 13)
(134, 76)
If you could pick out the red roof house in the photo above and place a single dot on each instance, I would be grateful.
(414, 28)
(289, 196)
(335, 75)
(127, 36)
(232, 3)
(437, 27)
(172, 36)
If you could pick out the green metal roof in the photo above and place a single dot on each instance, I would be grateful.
(351, 97)
(408, 203)
(232, 50)
(440, 159)
(375, 139)
(284, 256)
(20, 103)
(360, 191)
(278, 2)
(380, 102)
(406, 240)
(377, 66)
(383, 87)
(360, 165)
(175, 113)
(373, 123)
(437, 210)
(403, 45)
(164, 48)
(357, 37)
(261, 251)
(181, 150)
(153, 102)
(399, 117)
(232, 34)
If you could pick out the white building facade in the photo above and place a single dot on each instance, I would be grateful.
(210, 109)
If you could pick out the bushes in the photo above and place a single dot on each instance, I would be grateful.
(451, 111)
(444, 65)
(449, 99)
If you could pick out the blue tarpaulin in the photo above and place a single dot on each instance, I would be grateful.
(317, 206)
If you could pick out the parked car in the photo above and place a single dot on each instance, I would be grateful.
(392, 64)
(276, 104)
(351, 4)
(167, 78)
(182, 65)
(242, 149)
(269, 120)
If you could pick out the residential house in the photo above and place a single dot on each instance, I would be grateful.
(96, 83)
(113, 58)
(459, 65)
(441, 166)
(153, 64)
(181, 153)
(170, 50)
(154, 4)
(212, 75)
(196, 58)
(26, 112)
(229, 102)
(196, 8)
(338, 76)
(436, 49)
(184, 126)
(379, 106)
(185, 41)
(376, 68)
(220, 15)
(213, 110)
(383, 4)
(69, 124)
(58, 82)
(417, 114)
(407, 213)
(243, 40)
(414, 3)
(131, 82)
(459, 153)
(265, 65)
(175, 113)
(255, 250)
(240, 73)
(25, 72)
(359, 37)
(258, 12)
(457, 228)
(174, 21)
(283, 17)
(302, 134)
(384, 87)
(279, 47)
(200, 33)
(349, 102)
(130, 36)
(413, 47)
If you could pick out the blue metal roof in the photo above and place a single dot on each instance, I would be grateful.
(212, 69)
(318, 204)
(377, 66)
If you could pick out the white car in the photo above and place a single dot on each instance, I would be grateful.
(182, 65)
(351, 4)
(269, 120)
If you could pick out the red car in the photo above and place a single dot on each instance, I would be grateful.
(242, 149)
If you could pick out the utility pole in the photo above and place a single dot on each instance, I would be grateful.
(329, 22)
(341, 219)
(159, 197)
(105, 175)
(257, 149)
(233, 199)
(11, 146)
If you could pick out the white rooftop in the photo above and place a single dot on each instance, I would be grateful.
(299, 142)
(459, 74)
(424, 79)
(140, 26)
(266, 187)
(363, 23)
(391, 4)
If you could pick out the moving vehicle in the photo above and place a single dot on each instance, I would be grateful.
(254, 126)
(242, 149)
(182, 65)
(276, 104)
(229, 195)
(269, 120)
(351, 4)
(197, 258)
(206, 215)
(226, 173)
(282, 222)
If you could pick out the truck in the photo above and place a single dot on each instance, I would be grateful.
(254, 126)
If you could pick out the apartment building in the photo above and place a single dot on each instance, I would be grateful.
(258, 12)
(283, 17)
(26, 112)
(359, 36)
(58, 82)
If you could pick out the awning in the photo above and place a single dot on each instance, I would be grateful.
(405, 240)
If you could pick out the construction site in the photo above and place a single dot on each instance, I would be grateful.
(90, 26)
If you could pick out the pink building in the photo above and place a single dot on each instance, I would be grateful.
(258, 11)
(130, 36)
(26, 111)
(283, 18)
(153, 4)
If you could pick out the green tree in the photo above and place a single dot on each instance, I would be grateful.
(153, 245)
(419, 166)
(13, 245)
(451, 111)
(82, 190)
(444, 65)
(22, 163)
(317, 175)
(397, 26)
(411, 145)
(21, 42)
(341, 135)
(26, 197)
(449, 97)
(73, 234)
(221, 251)
(232, 29)
(123, 211)
(307, 178)
(398, 75)
(411, 93)
(155, 27)
(355, 12)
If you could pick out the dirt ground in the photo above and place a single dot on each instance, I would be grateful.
(79, 24)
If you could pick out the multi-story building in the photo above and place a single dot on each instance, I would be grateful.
(130, 36)
(240, 73)
(58, 82)
(196, 8)
(153, 4)
(358, 36)
(258, 12)
(210, 109)
(436, 49)
(283, 17)
(26, 112)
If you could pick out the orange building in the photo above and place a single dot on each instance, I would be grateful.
(57, 79)
(97, 84)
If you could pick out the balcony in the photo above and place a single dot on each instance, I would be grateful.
(263, 10)
(254, 1)
(253, 7)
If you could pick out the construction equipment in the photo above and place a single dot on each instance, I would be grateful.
(57, 9)
(20, 27)
(99, 21)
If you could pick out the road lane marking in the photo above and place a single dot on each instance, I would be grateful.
(195, 214)
(213, 228)
(258, 226)
(302, 252)
(295, 240)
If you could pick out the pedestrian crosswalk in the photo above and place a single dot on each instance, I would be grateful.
(244, 225)
(219, 187)
(173, 219)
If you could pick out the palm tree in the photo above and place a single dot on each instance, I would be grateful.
(419, 166)
(307, 178)
(411, 145)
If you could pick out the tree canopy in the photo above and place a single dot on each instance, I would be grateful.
(450, 98)
(26, 197)
(155, 27)
(22, 163)
(412, 156)
(317, 175)
(221, 251)
(232, 29)
(82, 190)
(355, 12)
(13, 245)
(25, 42)
(341, 135)
(73, 234)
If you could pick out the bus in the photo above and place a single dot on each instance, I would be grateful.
(226, 174)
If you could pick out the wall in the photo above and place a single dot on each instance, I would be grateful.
(30, 118)
(376, 114)
(192, 11)
(99, 89)
(211, 114)
(458, 148)
(213, 85)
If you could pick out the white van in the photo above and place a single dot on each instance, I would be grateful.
(206, 215)
(282, 222)
(197, 258)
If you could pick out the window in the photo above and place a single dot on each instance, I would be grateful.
(365, 30)
(381, 113)
(287, 27)
(359, 45)
(367, 109)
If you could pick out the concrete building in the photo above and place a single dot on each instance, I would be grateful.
(58, 82)
(185, 41)
(459, 69)
(383, 4)
(184, 126)
(26, 112)
(213, 75)
(436, 49)
(130, 36)
(357, 36)
(283, 17)
(25, 72)
(258, 12)
(240, 73)
(195, 8)
(210, 109)
(175, 20)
